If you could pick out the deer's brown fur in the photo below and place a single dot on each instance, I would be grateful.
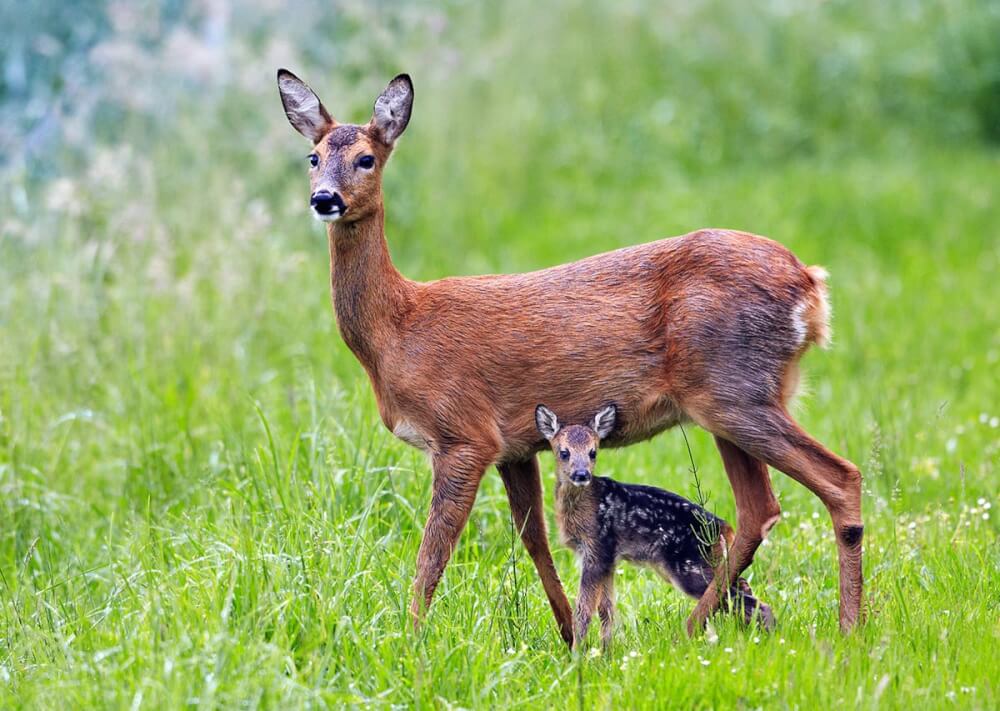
(700, 327)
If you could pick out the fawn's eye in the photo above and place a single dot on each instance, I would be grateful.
(366, 162)
(564, 454)
(313, 160)
(593, 454)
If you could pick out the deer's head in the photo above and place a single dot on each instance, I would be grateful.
(345, 165)
(575, 446)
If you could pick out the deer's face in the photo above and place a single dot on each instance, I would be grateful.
(575, 446)
(345, 174)
(345, 165)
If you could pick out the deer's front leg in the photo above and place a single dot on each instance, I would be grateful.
(591, 590)
(524, 489)
(457, 474)
(606, 611)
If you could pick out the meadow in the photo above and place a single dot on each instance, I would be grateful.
(199, 506)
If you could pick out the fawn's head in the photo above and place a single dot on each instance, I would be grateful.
(575, 446)
(345, 165)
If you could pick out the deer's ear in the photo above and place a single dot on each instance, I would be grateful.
(392, 109)
(303, 108)
(604, 421)
(546, 422)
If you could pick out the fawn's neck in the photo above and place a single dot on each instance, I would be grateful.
(577, 514)
(369, 295)
(570, 498)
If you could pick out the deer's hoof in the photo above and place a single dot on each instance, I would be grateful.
(695, 625)
(765, 618)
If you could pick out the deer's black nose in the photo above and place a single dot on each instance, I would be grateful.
(580, 476)
(326, 203)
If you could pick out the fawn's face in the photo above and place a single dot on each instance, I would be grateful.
(345, 165)
(575, 446)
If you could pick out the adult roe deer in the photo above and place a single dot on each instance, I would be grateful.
(707, 327)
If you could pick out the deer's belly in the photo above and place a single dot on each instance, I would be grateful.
(648, 420)
(406, 431)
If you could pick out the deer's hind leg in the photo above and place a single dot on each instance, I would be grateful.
(768, 434)
(757, 511)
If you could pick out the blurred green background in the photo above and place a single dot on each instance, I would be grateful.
(198, 504)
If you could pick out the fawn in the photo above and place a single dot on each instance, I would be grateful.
(605, 521)
(708, 328)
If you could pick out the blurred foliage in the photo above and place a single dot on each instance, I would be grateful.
(698, 83)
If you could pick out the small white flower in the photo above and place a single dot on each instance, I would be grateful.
(986, 516)
(728, 650)
(980, 501)
(705, 662)
(633, 654)
(995, 422)
(594, 652)
(815, 514)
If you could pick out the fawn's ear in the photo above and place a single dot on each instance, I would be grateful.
(303, 108)
(604, 421)
(546, 422)
(392, 109)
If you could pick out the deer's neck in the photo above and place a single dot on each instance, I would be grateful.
(369, 295)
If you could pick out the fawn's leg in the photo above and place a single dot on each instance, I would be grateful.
(770, 434)
(752, 608)
(457, 474)
(756, 512)
(524, 491)
(606, 611)
(591, 587)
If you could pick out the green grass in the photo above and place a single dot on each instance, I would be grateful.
(200, 507)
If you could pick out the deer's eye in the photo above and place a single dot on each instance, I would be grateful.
(366, 162)
(313, 160)
(593, 454)
(564, 454)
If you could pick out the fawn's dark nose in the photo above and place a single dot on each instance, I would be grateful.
(580, 477)
(326, 203)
